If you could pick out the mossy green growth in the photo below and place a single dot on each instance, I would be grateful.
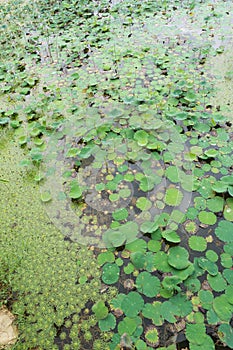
(41, 268)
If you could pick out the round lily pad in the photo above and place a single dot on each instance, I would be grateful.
(147, 284)
(173, 196)
(197, 243)
(143, 203)
(207, 218)
(217, 283)
(171, 236)
(178, 258)
(228, 209)
(223, 308)
(107, 323)
(225, 332)
(215, 204)
(110, 273)
(120, 214)
(224, 231)
(132, 304)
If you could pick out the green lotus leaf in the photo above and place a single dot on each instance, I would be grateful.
(206, 299)
(229, 294)
(127, 326)
(211, 153)
(217, 283)
(138, 259)
(110, 273)
(75, 190)
(184, 305)
(178, 258)
(211, 255)
(125, 193)
(147, 284)
(148, 226)
(153, 312)
(171, 282)
(172, 174)
(192, 284)
(206, 189)
(184, 273)
(154, 246)
(226, 260)
(168, 311)
(114, 238)
(152, 336)
(171, 236)
(114, 197)
(105, 257)
(228, 209)
(141, 137)
(219, 187)
(197, 243)
(100, 310)
(132, 304)
(196, 333)
(224, 231)
(161, 262)
(136, 246)
(208, 266)
(228, 179)
(120, 214)
(228, 275)
(207, 218)
(223, 308)
(173, 196)
(140, 345)
(107, 323)
(225, 332)
(143, 203)
(147, 183)
(215, 204)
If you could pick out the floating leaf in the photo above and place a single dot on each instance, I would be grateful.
(178, 258)
(228, 209)
(224, 231)
(207, 218)
(206, 298)
(132, 304)
(168, 311)
(110, 273)
(197, 243)
(172, 174)
(138, 259)
(215, 204)
(120, 214)
(100, 310)
(171, 236)
(105, 257)
(225, 332)
(223, 308)
(196, 333)
(141, 137)
(147, 284)
(107, 323)
(173, 196)
(151, 336)
(143, 203)
(75, 190)
(127, 326)
(217, 283)
(153, 312)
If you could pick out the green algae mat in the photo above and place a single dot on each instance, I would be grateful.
(116, 174)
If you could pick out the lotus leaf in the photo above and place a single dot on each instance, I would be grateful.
(171, 236)
(223, 308)
(224, 231)
(225, 332)
(153, 312)
(173, 197)
(132, 304)
(110, 273)
(197, 243)
(207, 218)
(143, 203)
(228, 209)
(217, 282)
(147, 284)
(100, 310)
(128, 326)
(107, 323)
(178, 258)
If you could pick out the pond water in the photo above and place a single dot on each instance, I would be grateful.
(116, 177)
